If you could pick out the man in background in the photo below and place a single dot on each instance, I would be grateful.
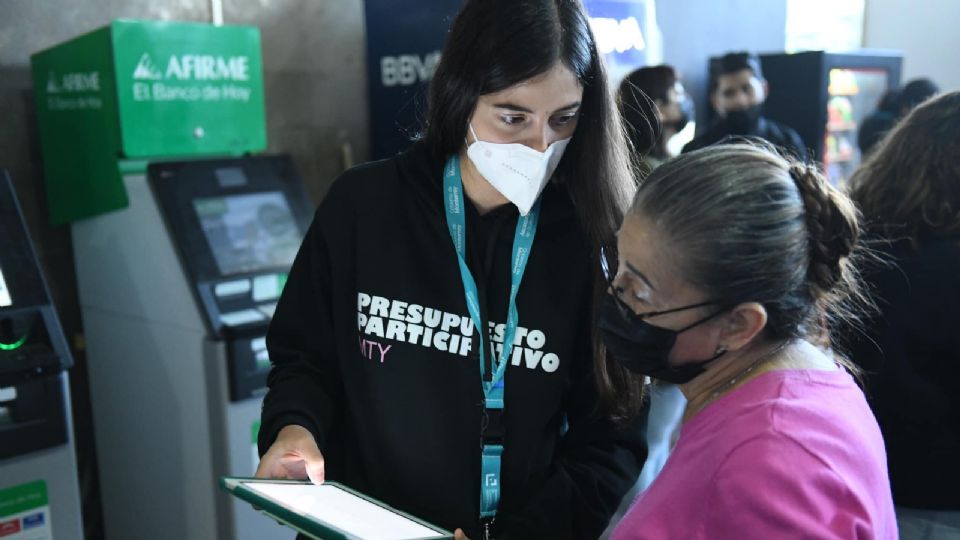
(737, 92)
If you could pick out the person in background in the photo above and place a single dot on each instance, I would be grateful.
(893, 106)
(914, 93)
(726, 266)
(879, 122)
(909, 192)
(672, 108)
(737, 92)
(433, 346)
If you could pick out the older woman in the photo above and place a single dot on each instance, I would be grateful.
(729, 259)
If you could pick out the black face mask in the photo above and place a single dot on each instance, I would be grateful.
(743, 122)
(643, 348)
(687, 112)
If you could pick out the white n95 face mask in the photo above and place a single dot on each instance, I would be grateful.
(518, 172)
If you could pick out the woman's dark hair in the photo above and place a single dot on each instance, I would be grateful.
(890, 101)
(879, 122)
(746, 224)
(496, 44)
(654, 81)
(637, 96)
(909, 187)
(914, 93)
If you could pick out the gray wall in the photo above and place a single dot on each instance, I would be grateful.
(695, 30)
(315, 82)
(926, 32)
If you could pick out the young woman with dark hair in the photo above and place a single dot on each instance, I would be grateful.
(433, 346)
(730, 259)
(670, 106)
(909, 193)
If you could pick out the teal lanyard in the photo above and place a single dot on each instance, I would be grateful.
(493, 389)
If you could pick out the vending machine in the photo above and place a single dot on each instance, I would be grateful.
(825, 97)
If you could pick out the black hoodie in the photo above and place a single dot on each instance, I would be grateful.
(374, 353)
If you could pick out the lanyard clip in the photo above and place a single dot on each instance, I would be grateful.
(492, 429)
(487, 523)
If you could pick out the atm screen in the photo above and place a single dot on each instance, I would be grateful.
(5, 299)
(250, 232)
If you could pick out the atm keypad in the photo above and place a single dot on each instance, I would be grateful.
(243, 301)
(244, 316)
(268, 309)
(266, 287)
(231, 288)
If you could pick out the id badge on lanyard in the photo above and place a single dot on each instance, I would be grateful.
(493, 383)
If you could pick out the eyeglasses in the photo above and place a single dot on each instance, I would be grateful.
(609, 265)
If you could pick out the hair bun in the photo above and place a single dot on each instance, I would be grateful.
(832, 223)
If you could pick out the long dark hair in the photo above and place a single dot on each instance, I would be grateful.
(639, 114)
(909, 187)
(496, 44)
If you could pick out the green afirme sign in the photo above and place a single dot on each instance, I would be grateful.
(200, 85)
(142, 90)
(19, 499)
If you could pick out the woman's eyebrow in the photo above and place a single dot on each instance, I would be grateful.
(520, 108)
(512, 107)
(639, 274)
(573, 105)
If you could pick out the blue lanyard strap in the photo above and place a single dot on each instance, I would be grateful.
(492, 388)
(522, 243)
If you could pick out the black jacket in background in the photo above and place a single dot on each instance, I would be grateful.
(911, 356)
(774, 132)
(400, 420)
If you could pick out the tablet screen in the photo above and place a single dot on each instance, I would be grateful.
(343, 510)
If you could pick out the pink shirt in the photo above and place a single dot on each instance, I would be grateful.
(789, 454)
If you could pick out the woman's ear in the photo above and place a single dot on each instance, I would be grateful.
(742, 324)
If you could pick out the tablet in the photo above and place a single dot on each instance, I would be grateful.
(330, 511)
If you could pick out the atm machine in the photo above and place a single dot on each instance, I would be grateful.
(179, 259)
(39, 492)
(177, 292)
